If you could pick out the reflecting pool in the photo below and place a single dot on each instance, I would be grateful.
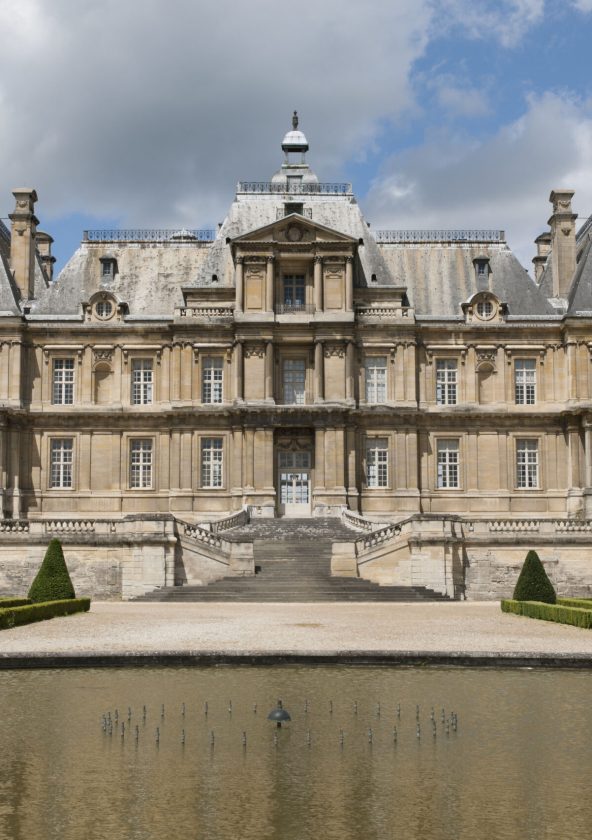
(351, 764)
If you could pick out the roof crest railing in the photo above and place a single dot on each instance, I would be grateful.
(394, 236)
(293, 188)
(149, 235)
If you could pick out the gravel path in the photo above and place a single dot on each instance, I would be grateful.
(120, 628)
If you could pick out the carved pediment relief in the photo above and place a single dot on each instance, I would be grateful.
(294, 229)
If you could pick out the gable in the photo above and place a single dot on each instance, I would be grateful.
(295, 229)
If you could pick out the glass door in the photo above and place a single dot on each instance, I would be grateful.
(294, 483)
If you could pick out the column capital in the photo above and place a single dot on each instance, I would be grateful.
(318, 258)
(240, 260)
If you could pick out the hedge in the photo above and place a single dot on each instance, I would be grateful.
(533, 583)
(581, 603)
(52, 581)
(550, 612)
(13, 602)
(14, 616)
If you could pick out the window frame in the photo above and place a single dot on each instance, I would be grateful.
(141, 385)
(445, 466)
(443, 387)
(291, 360)
(132, 443)
(377, 444)
(51, 485)
(372, 388)
(62, 385)
(213, 384)
(525, 384)
(214, 467)
(526, 465)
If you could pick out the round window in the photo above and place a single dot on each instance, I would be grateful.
(485, 309)
(104, 309)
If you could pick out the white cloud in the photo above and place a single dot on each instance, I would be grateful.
(457, 97)
(582, 5)
(505, 20)
(152, 116)
(501, 182)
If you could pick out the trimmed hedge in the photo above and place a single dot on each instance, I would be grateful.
(533, 583)
(580, 603)
(15, 616)
(550, 612)
(13, 602)
(52, 581)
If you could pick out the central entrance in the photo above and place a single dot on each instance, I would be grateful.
(294, 483)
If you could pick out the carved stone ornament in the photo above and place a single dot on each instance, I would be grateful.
(102, 355)
(294, 233)
(486, 356)
(257, 350)
(334, 350)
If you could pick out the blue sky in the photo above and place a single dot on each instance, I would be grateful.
(443, 113)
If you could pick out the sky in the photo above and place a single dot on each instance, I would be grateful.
(443, 114)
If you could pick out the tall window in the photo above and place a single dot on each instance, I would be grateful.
(377, 463)
(294, 380)
(525, 381)
(448, 464)
(62, 450)
(294, 290)
(376, 379)
(142, 381)
(63, 382)
(527, 463)
(212, 462)
(212, 379)
(141, 463)
(446, 370)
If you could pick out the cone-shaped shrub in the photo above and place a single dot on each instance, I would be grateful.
(52, 582)
(533, 583)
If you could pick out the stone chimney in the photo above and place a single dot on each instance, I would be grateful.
(543, 243)
(22, 241)
(563, 241)
(44, 242)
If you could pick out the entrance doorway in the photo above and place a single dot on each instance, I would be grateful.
(294, 485)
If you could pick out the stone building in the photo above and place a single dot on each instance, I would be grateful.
(295, 363)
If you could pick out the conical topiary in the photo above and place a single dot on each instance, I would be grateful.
(52, 582)
(533, 583)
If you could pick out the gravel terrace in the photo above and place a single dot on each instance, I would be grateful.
(449, 628)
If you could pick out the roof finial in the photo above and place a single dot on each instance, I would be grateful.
(295, 120)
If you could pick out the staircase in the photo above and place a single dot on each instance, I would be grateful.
(292, 564)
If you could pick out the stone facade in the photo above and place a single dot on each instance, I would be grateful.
(296, 364)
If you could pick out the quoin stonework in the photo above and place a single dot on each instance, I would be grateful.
(418, 384)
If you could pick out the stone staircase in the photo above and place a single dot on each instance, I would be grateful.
(292, 564)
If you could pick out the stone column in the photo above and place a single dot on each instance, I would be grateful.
(84, 454)
(574, 456)
(318, 389)
(340, 459)
(15, 469)
(176, 373)
(318, 283)
(238, 371)
(15, 371)
(349, 284)
(320, 459)
(3, 435)
(269, 395)
(238, 281)
(270, 285)
(349, 370)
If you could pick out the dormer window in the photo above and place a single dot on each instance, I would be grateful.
(481, 268)
(485, 309)
(108, 267)
(293, 207)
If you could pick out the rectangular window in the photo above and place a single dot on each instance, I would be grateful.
(446, 381)
(62, 452)
(294, 380)
(376, 379)
(142, 380)
(525, 381)
(448, 464)
(294, 290)
(377, 463)
(212, 462)
(63, 382)
(141, 464)
(212, 379)
(527, 463)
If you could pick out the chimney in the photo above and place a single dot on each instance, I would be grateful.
(22, 241)
(563, 241)
(44, 242)
(543, 243)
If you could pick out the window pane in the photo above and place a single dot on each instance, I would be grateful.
(525, 381)
(294, 289)
(376, 379)
(212, 462)
(141, 463)
(294, 378)
(446, 381)
(448, 464)
(142, 381)
(63, 382)
(212, 379)
(527, 463)
(377, 463)
(61, 462)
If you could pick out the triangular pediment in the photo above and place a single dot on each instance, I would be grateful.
(294, 228)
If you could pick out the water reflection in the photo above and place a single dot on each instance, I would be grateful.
(517, 767)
